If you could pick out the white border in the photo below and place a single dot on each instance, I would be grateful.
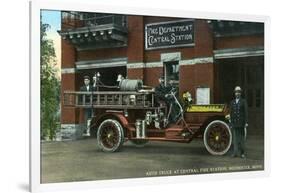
(35, 185)
(35, 98)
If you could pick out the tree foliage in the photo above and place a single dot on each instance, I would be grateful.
(50, 87)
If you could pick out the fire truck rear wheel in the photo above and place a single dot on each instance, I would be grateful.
(110, 135)
(217, 137)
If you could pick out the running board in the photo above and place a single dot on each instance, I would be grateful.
(163, 139)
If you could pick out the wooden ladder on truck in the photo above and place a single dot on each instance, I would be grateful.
(109, 99)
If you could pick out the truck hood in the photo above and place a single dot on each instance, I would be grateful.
(206, 108)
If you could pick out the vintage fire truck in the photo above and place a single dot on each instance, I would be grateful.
(130, 112)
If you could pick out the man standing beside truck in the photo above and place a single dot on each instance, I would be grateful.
(239, 122)
(87, 87)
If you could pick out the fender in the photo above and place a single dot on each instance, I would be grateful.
(123, 120)
(116, 115)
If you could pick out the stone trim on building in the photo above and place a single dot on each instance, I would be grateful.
(168, 57)
(193, 61)
(105, 63)
(68, 70)
(135, 65)
(238, 52)
(70, 132)
(114, 62)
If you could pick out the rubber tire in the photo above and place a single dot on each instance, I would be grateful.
(120, 134)
(139, 142)
(209, 149)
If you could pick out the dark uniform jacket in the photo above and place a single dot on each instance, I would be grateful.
(87, 97)
(160, 91)
(238, 113)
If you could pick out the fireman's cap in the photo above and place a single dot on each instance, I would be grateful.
(86, 77)
(237, 89)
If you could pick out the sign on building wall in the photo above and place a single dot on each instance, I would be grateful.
(169, 34)
(203, 96)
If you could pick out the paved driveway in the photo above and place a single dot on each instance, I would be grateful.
(82, 160)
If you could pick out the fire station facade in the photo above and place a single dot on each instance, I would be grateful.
(208, 58)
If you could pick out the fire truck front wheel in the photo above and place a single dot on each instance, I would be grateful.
(110, 135)
(217, 137)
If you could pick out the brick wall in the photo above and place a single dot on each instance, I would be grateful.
(239, 41)
(68, 82)
(191, 75)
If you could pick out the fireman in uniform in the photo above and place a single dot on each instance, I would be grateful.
(239, 122)
(87, 87)
(161, 90)
(162, 93)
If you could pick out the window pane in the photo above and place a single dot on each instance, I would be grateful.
(172, 73)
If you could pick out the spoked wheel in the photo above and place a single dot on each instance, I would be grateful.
(217, 138)
(139, 142)
(110, 135)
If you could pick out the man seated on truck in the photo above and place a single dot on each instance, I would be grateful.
(162, 94)
(160, 91)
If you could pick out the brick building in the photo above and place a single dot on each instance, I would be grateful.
(205, 57)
